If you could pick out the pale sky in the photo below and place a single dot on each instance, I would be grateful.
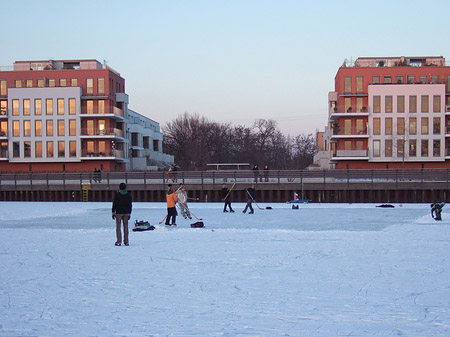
(231, 60)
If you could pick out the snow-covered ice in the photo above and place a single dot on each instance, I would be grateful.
(322, 270)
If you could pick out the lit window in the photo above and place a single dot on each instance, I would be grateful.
(90, 86)
(60, 103)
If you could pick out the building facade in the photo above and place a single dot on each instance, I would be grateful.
(390, 113)
(70, 116)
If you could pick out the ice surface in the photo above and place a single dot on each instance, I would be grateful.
(321, 270)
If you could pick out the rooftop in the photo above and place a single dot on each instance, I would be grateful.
(397, 61)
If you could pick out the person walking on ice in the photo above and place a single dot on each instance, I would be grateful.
(121, 212)
(182, 202)
(226, 198)
(251, 194)
(172, 200)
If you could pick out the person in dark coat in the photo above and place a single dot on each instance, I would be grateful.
(251, 195)
(121, 212)
(172, 200)
(256, 172)
(226, 198)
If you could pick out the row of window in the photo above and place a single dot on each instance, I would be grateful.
(424, 103)
(388, 79)
(38, 125)
(38, 109)
(51, 82)
(49, 149)
(412, 126)
(399, 149)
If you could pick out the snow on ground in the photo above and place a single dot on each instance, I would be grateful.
(322, 270)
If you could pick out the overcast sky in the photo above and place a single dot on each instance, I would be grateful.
(230, 61)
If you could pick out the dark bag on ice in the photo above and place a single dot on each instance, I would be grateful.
(198, 224)
(140, 226)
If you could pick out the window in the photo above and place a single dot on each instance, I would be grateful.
(3, 89)
(375, 79)
(436, 103)
(400, 103)
(38, 149)
(376, 104)
(101, 106)
(400, 126)
(74, 82)
(145, 140)
(27, 128)
(50, 149)
(3, 128)
(376, 126)
(399, 79)
(424, 147)
(51, 82)
(89, 86)
(388, 148)
(400, 148)
(26, 107)
(359, 145)
(29, 83)
(72, 148)
(388, 126)
(423, 79)
(436, 125)
(388, 104)
(60, 127)
(90, 127)
(347, 84)
(101, 85)
(16, 150)
(376, 148)
(101, 127)
(72, 106)
(3, 108)
(27, 149)
(41, 83)
(49, 106)
(72, 127)
(90, 107)
(49, 128)
(387, 79)
(347, 129)
(411, 79)
(62, 82)
(90, 147)
(38, 128)
(38, 107)
(412, 103)
(15, 107)
(18, 83)
(359, 129)
(424, 103)
(434, 78)
(412, 125)
(412, 147)
(359, 104)
(60, 103)
(436, 148)
(102, 147)
(61, 149)
(16, 128)
(424, 126)
(359, 84)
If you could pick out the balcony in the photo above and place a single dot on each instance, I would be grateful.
(336, 114)
(103, 133)
(337, 133)
(3, 155)
(350, 155)
(109, 154)
(3, 134)
(111, 112)
(3, 113)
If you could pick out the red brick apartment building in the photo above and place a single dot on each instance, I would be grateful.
(70, 116)
(390, 112)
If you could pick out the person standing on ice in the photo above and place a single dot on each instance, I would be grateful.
(182, 202)
(226, 198)
(251, 195)
(121, 212)
(172, 200)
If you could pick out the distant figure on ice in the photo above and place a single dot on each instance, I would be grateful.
(251, 194)
(436, 210)
(296, 197)
(172, 200)
(121, 212)
(182, 202)
(226, 198)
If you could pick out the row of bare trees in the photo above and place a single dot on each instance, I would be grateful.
(195, 141)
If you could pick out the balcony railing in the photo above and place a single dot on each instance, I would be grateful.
(95, 112)
(107, 153)
(346, 132)
(350, 153)
(102, 132)
(4, 154)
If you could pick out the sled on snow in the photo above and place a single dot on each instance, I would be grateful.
(141, 226)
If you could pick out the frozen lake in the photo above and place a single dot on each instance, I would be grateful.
(321, 270)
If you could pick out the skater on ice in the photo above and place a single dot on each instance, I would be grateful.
(226, 198)
(436, 210)
(251, 195)
(172, 200)
(182, 202)
(121, 212)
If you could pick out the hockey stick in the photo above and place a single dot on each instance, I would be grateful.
(253, 200)
(229, 191)
(163, 220)
(184, 205)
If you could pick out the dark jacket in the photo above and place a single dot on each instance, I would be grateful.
(122, 203)
(252, 192)
(225, 191)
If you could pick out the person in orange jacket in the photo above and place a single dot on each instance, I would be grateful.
(172, 200)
